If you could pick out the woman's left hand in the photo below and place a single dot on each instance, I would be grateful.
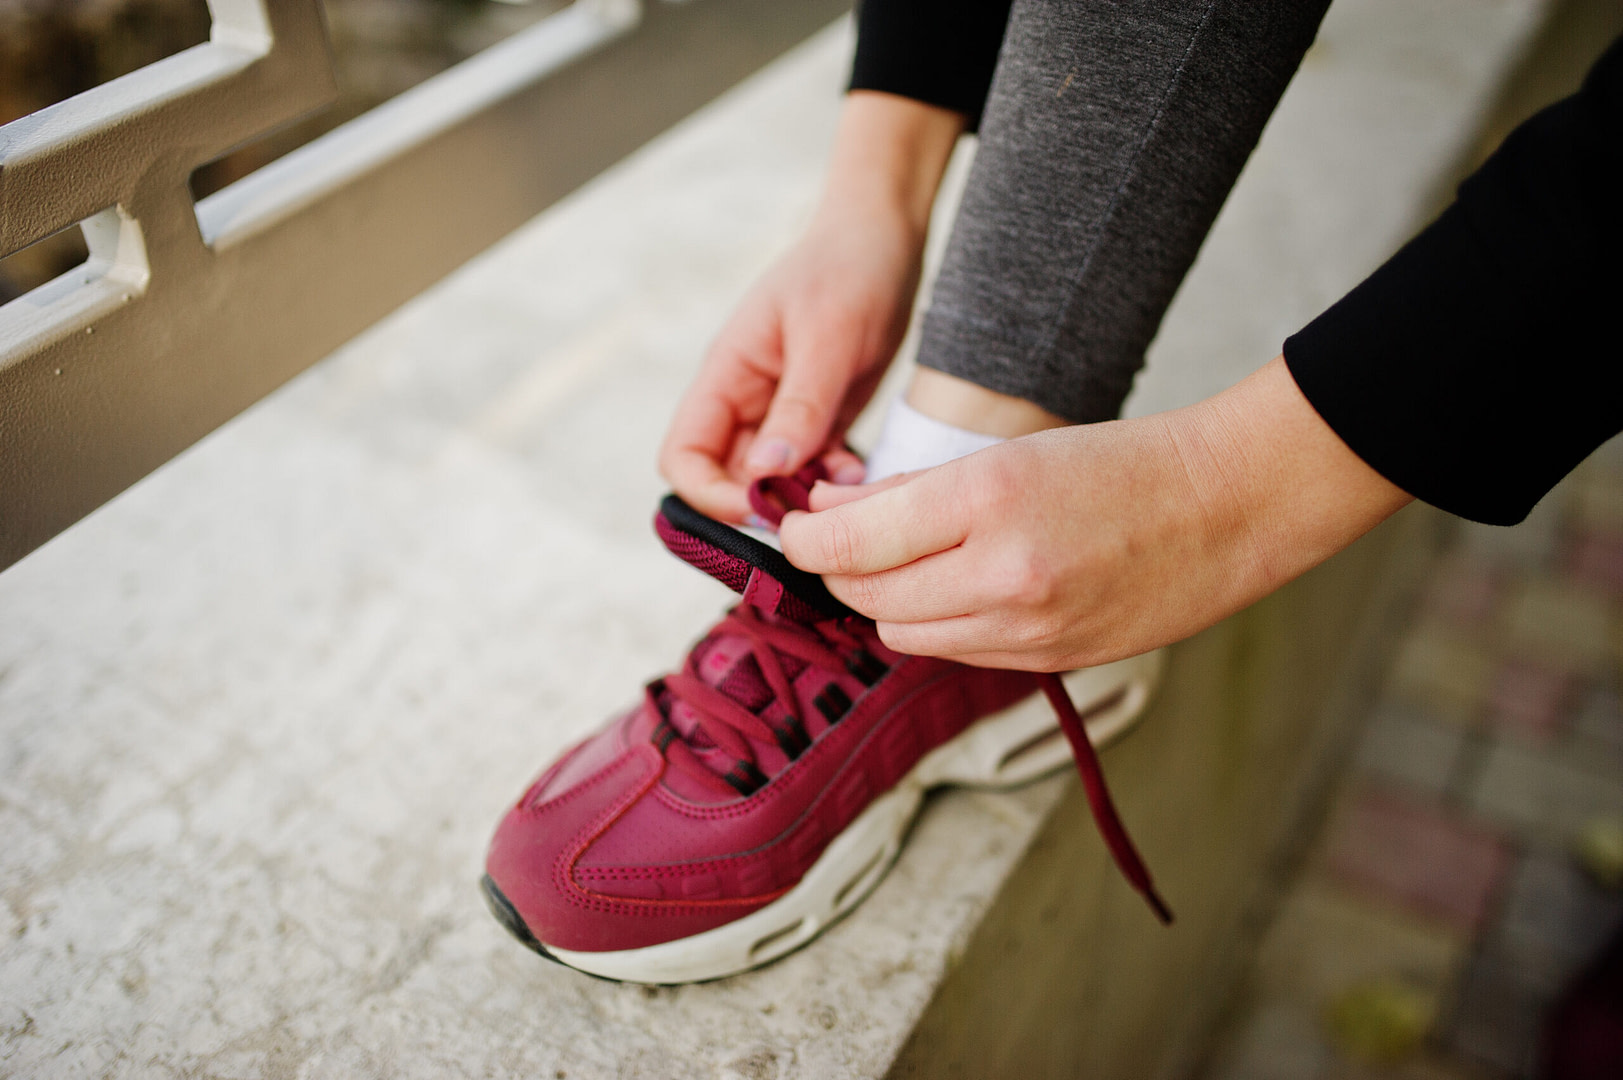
(1081, 545)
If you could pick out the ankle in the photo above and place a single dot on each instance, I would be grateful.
(965, 405)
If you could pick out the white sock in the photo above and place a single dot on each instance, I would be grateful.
(910, 440)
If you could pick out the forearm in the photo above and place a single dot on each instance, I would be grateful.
(888, 159)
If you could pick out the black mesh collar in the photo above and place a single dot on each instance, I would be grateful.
(808, 587)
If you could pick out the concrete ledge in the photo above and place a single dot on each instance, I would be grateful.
(258, 715)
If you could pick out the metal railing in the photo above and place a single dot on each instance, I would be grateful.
(188, 312)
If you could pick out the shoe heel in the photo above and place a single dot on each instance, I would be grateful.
(1024, 741)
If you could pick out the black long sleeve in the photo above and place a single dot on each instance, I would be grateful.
(941, 52)
(1484, 360)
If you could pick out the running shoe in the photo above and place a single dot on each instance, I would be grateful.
(758, 794)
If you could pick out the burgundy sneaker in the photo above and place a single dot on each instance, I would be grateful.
(760, 793)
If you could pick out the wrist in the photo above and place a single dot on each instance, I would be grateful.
(1277, 481)
(889, 155)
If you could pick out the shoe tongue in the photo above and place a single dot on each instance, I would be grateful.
(744, 564)
(728, 663)
(726, 660)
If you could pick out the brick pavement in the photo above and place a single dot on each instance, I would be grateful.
(1454, 887)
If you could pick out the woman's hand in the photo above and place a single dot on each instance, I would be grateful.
(803, 352)
(1080, 545)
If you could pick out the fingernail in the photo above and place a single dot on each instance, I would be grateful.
(769, 455)
(850, 473)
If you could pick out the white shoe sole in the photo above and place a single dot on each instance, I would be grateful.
(1005, 749)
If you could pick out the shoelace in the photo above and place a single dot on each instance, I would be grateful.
(815, 644)
(729, 724)
(1104, 809)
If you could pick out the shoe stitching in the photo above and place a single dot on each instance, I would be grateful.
(578, 789)
(565, 866)
(781, 841)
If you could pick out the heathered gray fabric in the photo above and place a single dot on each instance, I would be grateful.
(1111, 137)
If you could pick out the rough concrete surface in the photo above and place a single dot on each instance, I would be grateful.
(258, 715)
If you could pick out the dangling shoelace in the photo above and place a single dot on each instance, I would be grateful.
(771, 498)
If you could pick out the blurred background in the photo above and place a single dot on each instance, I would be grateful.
(53, 49)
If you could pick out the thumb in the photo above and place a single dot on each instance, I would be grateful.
(826, 496)
(797, 422)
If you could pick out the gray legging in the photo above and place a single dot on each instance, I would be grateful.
(1111, 137)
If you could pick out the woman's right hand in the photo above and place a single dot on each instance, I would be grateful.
(803, 352)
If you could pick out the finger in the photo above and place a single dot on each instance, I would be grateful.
(694, 457)
(987, 639)
(1003, 661)
(844, 467)
(721, 498)
(826, 496)
(887, 529)
(726, 400)
(803, 409)
(979, 640)
(956, 637)
(924, 590)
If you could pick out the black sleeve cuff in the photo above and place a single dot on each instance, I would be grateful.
(1483, 361)
(940, 52)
